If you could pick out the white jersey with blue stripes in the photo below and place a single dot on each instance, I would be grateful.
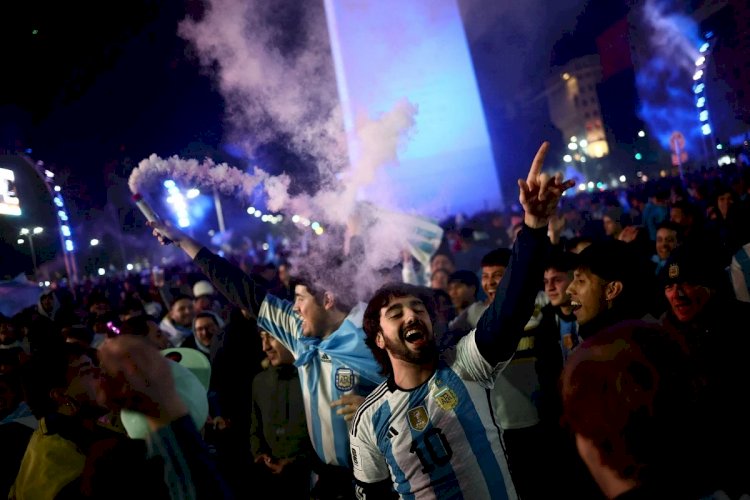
(328, 369)
(438, 440)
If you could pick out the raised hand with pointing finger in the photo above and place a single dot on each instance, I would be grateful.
(539, 194)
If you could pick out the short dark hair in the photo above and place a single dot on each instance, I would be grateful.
(137, 325)
(466, 277)
(497, 257)
(131, 304)
(207, 314)
(179, 297)
(671, 226)
(371, 320)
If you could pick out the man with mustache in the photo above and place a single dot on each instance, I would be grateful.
(428, 431)
(704, 313)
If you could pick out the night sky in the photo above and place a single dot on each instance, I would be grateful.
(92, 88)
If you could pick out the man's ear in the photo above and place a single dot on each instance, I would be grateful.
(329, 301)
(379, 340)
(612, 290)
(58, 396)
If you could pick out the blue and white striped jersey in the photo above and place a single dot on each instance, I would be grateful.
(438, 440)
(328, 369)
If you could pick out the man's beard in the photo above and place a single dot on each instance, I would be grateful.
(400, 349)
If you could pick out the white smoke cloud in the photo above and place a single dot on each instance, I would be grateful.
(271, 92)
(283, 89)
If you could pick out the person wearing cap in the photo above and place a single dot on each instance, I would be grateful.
(609, 285)
(556, 340)
(704, 313)
(322, 328)
(668, 237)
(204, 298)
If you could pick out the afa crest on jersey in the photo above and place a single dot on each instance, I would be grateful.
(418, 418)
(446, 398)
(344, 379)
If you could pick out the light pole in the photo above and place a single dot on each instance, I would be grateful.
(30, 235)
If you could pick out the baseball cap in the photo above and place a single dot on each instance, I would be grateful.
(694, 264)
(193, 360)
(611, 260)
(203, 287)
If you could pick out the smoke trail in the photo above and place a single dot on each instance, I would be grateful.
(664, 79)
(228, 180)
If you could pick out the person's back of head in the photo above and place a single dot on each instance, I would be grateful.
(629, 396)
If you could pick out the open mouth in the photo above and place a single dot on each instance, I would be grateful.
(575, 305)
(415, 336)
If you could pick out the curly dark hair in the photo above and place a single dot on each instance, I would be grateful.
(371, 320)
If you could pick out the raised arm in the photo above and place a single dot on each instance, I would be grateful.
(239, 288)
(134, 375)
(501, 326)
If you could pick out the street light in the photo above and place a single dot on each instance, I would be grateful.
(30, 235)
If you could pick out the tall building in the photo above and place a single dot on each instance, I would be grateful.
(575, 109)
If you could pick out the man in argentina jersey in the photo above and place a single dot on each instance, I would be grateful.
(428, 431)
(325, 335)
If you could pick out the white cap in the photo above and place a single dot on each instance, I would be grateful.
(203, 287)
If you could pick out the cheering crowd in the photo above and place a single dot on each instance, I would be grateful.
(589, 345)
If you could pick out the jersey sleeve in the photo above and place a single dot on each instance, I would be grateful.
(277, 317)
(466, 360)
(368, 463)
